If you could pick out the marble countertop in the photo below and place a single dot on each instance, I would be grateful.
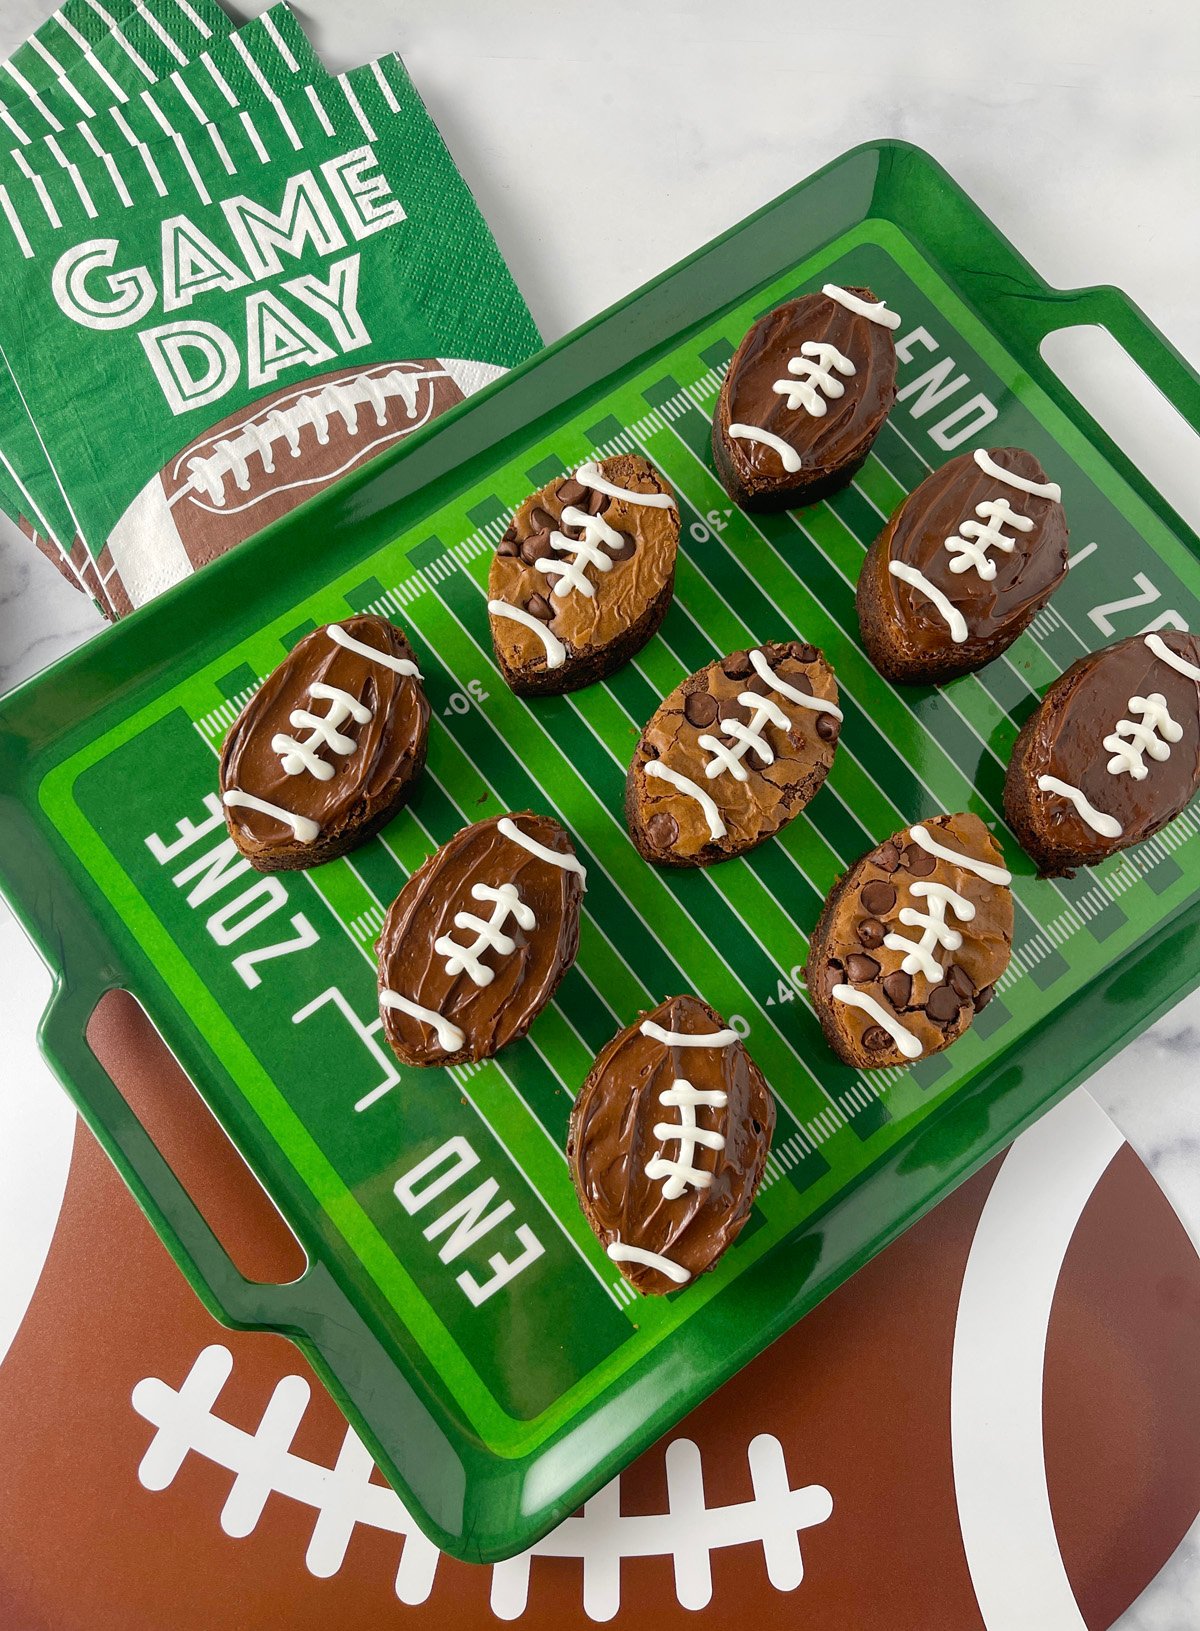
(1074, 126)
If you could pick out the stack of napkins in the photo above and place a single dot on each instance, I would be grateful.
(227, 278)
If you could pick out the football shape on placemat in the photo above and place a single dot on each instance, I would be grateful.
(668, 1142)
(911, 943)
(732, 754)
(259, 463)
(805, 396)
(327, 749)
(477, 940)
(1111, 755)
(583, 576)
(963, 566)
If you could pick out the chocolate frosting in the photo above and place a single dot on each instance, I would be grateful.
(850, 422)
(612, 1138)
(367, 783)
(641, 571)
(753, 810)
(996, 610)
(1066, 740)
(492, 1015)
(847, 947)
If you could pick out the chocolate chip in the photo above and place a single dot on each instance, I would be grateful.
(960, 981)
(539, 606)
(536, 547)
(835, 974)
(982, 998)
(506, 546)
(920, 863)
(737, 665)
(803, 652)
(510, 533)
(870, 933)
(861, 969)
(541, 520)
(662, 830)
(598, 502)
(898, 987)
(571, 491)
(700, 709)
(878, 897)
(943, 1005)
(888, 857)
(875, 1039)
(827, 727)
(624, 549)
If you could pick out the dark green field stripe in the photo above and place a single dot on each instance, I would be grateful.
(856, 513)
(1009, 689)
(689, 643)
(637, 697)
(780, 874)
(899, 459)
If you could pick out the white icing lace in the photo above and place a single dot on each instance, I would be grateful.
(677, 1174)
(748, 738)
(971, 543)
(323, 732)
(230, 458)
(489, 935)
(920, 958)
(812, 373)
(583, 552)
(1152, 734)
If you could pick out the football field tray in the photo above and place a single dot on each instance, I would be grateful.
(456, 1302)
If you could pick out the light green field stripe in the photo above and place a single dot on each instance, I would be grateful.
(987, 716)
(665, 919)
(879, 485)
(343, 891)
(1028, 656)
(660, 667)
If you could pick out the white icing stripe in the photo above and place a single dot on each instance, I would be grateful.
(450, 1038)
(936, 932)
(875, 312)
(1163, 652)
(716, 827)
(1039, 489)
(818, 704)
(589, 475)
(904, 1040)
(1153, 733)
(1107, 826)
(302, 828)
(569, 863)
(489, 932)
(751, 433)
(651, 1260)
(556, 652)
(687, 1039)
(398, 665)
(748, 738)
(949, 612)
(987, 870)
(814, 371)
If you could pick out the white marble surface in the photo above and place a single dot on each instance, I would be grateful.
(1076, 125)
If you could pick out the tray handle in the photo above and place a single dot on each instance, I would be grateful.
(1147, 346)
(224, 1290)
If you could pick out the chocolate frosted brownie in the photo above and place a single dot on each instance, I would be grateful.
(668, 1141)
(805, 396)
(963, 566)
(911, 943)
(583, 576)
(1111, 755)
(327, 749)
(733, 753)
(477, 940)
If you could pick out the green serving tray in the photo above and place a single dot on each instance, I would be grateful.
(455, 1302)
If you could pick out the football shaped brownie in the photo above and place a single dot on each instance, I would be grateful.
(668, 1141)
(477, 940)
(963, 566)
(583, 576)
(327, 749)
(911, 943)
(805, 396)
(1111, 755)
(259, 463)
(733, 753)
